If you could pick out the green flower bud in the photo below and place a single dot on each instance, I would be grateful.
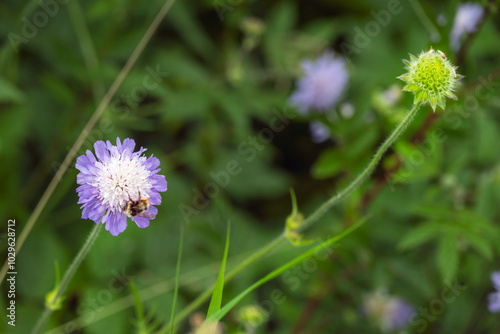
(431, 78)
(252, 315)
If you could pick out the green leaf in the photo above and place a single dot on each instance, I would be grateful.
(182, 17)
(487, 133)
(9, 92)
(481, 245)
(223, 311)
(328, 164)
(447, 257)
(419, 235)
(362, 143)
(177, 273)
(216, 300)
(279, 24)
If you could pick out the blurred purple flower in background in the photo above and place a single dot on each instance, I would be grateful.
(390, 313)
(121, 183)
(494, 297)
(398, 313)
(322, 85)
(466, 21)
(319, 132)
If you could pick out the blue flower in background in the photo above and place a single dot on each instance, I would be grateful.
(494, 297)
(120, 183)
(466, 20)
(389, 312)
(397, 314)
(323, 83)
(319, 132)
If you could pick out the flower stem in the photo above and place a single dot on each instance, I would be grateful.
(207, 293)
(364, 174)
(310, 219)
(67, 277)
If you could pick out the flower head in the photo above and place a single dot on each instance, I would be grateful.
(390, 313)
(494, 297)
(120, 183)
(322, 85)
(398, 313)
(431, 78)
(466, 20)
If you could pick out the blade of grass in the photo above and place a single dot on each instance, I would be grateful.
(138, 307)
(216, 300)
(177, 273)
(223, 311)
(86, 45)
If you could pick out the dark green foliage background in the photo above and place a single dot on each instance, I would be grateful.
(436, 221)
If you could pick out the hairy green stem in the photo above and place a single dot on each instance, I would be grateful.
(364, 174)
(67, 277)
(310, 219)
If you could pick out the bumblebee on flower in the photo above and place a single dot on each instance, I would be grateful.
(120, 183)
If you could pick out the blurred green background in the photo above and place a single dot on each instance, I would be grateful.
(225, 69)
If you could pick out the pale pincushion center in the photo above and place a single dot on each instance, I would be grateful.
(121, 180)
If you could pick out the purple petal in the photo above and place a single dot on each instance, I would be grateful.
(83, 163)
(101, 151)
(96, 213)
(91, 157)
(116, 223)
(158, 182)
(119, 144)
(141, 221)
(495, 278)
(153, 210)
(128, 147)
(494, 302)
(152, 163)
(84, 178)
(155, 198)
(113, 150)
(141, 151)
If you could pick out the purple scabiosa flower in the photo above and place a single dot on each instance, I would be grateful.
(494, 297)
(390, 313)
(397, 314)
(466, 20)
(323, 83)
(120, 183)
(319, 132)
